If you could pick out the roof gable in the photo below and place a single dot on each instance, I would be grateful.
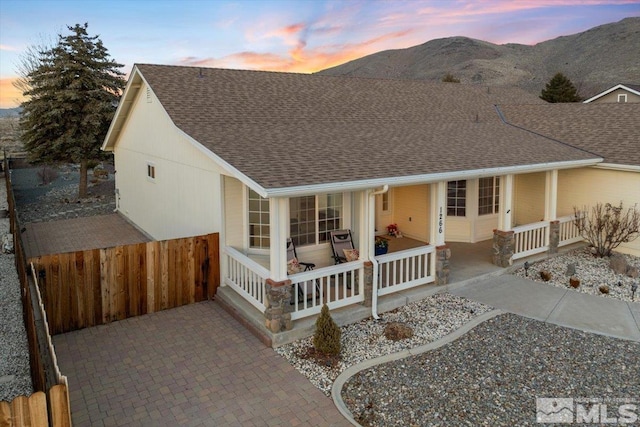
(635, 89)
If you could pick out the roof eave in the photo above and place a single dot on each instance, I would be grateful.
(423, 179)
(124, 108)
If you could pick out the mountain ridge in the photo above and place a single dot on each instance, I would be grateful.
(594, 60)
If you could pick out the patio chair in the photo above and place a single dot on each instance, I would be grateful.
(305, 289)
(342, 246)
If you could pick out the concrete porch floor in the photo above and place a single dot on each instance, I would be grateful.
(469, 262)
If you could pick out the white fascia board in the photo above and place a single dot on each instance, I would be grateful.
(124, 107)
(424, 179)
(620, 86)
(232, 171)
(614, 166)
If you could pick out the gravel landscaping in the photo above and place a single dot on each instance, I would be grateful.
(430, 319)
(591, 271)
(15, 376)
(492, 376)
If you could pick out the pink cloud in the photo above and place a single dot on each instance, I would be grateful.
(9, 96)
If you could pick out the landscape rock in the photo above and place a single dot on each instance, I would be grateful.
(7, 244)
(618, 263)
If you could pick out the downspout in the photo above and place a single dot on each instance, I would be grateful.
(372, 249)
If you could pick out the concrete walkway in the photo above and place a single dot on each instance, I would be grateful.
(194, 365)
(564, 307)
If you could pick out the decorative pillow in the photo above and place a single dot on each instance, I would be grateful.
(351, 254)
(293, 266)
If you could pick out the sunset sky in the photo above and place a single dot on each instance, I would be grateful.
(298, 36)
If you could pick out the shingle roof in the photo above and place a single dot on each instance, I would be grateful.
(285, 130)
(611, 131)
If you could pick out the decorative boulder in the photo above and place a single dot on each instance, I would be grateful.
(545, 275)
(396, 331)
(574, 282)
(618, 263)
(604, 289)
(7, 244)
(632, 272)
(571, 269)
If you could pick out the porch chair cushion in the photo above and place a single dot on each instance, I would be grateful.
(293, 266)
(351, 254)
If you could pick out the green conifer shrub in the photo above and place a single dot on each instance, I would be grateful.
(326, 339)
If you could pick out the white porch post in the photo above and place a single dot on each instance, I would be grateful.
(278, 221)
(506, 203)
(503, 236)
(550, 210)
(551, 195)
(366, 230)
(438, 203)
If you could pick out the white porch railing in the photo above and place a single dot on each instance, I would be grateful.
(246, 277)
(568, 231)
(531, 239)
(406, 269)
(337, 286)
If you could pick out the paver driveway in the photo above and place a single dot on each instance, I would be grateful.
(194, 365)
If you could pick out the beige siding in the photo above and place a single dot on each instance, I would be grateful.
(528, 200)
(411, 211)
(384, 218)
(234, 213)
(613, 97)
(484, 226)
(588, 186)
(183, 200)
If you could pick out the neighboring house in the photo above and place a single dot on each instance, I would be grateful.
(261, 157)
(619, 93)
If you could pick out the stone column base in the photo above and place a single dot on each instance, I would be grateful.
(554, 236)
(503, 244)
(278, 294)
(368, 284)
(443, 253)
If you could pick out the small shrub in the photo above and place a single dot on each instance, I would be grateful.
(449, 78)
(606, 227)
(545, 275)
(604, 289)
(326, 339)
(574, 282)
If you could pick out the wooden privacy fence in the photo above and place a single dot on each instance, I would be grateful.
(39, 409)
(95, 287)
(33, 411)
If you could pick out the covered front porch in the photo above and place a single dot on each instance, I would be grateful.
(256, 230)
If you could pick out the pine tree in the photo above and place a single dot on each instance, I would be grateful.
(71, 98)
(326, 339)
(560, 89)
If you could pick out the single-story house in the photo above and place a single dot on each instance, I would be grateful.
(619, 93)
(263, 157)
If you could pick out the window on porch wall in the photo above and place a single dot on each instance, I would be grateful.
(457, 198)
(313, 217)
(488, 195)
(258, 221)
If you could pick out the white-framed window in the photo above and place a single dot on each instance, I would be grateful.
(258, 221)
(151, 171)
(385, 201)
(622, 97)
(488, 195)
(313, 217)
(457, 198)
